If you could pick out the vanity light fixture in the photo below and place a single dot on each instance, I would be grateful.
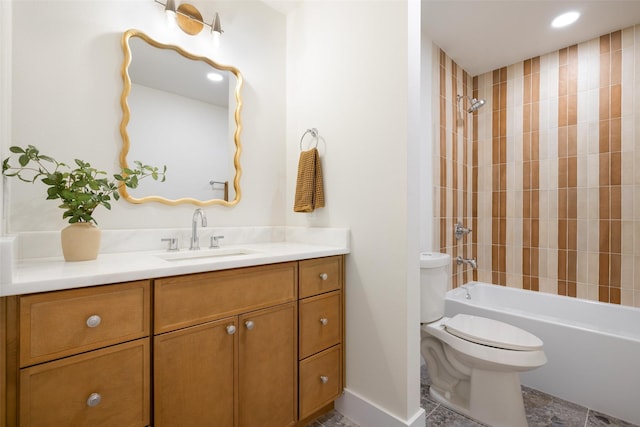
(190, 20)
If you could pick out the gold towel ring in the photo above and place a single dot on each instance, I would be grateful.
(314, 134)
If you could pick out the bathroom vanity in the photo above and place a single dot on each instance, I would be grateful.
(250, 343)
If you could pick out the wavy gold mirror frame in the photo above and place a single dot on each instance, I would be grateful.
(126, 143)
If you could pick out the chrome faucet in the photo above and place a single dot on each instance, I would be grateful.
(195, 240)
(469, 261)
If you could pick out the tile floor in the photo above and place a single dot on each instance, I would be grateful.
(542, 411)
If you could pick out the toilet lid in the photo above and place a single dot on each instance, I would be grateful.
(481, 330)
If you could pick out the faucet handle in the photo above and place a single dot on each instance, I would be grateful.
(173, 244)
(214, 241)
(460, 230)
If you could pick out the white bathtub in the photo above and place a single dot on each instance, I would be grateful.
(593, 348)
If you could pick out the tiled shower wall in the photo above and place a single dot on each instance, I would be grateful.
(547, 173)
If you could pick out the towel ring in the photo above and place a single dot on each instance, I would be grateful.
(314, 134)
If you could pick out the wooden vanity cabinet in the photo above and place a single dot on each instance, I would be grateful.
(82, 357)
(246, 347)
(230, 348)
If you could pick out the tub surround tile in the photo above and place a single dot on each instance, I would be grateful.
(556, 144)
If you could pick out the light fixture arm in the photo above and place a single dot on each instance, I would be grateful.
(214, 26)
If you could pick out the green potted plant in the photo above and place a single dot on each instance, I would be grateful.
(81, 190)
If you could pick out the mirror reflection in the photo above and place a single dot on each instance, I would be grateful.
(182, 111)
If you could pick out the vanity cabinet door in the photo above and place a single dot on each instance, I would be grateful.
(268, 374)
(194, 375)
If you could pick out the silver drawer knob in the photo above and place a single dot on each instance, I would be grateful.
(93, 321)
(231, 329)
(324, 320)
(324, 379)
(94, 399)
(324, 276)
(249, 324)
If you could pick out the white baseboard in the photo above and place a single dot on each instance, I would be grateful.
(367, 414)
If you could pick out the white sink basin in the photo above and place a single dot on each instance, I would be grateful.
(205, 254)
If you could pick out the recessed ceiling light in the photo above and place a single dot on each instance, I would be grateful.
(565, 19)
(215, 77)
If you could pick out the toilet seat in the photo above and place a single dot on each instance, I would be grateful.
(493, 333)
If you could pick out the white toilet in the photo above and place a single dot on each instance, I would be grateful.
(474, 362)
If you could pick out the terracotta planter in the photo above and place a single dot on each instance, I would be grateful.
(80, 241)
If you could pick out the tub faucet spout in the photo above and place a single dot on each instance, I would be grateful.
(195, 240)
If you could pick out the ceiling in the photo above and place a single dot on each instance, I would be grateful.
(483, 35)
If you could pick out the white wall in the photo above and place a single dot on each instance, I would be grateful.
(350, 75)
(5, 97)
(66, 86)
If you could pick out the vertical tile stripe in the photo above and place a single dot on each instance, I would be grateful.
(499, 177)
(465, 177)
(567, 171)
(530, 174)
(474, 181)
(443, 152)
(610, 170)
(455, 105)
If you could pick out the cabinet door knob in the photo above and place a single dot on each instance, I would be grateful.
(324, 379)
(93, 321)
(94, 399)
(324, 276)
(231, 329)
(249, 324)
(324, 320)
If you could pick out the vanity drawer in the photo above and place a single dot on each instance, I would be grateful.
(320, 380)
(320, 275)
(198, 298)
(58, 324)
(107, 387)
(320, 323)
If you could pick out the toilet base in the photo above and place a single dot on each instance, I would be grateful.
(495, 399)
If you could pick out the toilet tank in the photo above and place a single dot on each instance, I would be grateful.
(434, 283)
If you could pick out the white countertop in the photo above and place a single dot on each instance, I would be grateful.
(49, 274)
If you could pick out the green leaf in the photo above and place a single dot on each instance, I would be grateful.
(24, 160)
(15, 149)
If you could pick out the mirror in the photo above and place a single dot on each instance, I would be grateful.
(175, 115)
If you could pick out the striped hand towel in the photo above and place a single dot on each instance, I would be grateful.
(309, 187)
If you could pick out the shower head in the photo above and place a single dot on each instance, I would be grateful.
(475, 103)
